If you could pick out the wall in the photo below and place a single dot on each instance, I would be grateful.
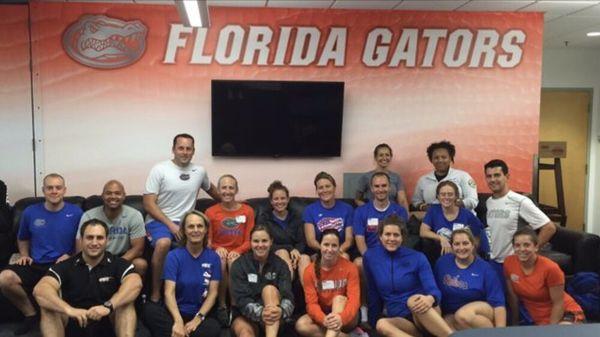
(564, 68)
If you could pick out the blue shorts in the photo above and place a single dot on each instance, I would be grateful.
(156, 230)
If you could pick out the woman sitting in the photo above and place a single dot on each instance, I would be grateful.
(383, 157)
(191, 274)
(331, 290)
(443, 218)
(538, 283)
(287, 228)
(472, 294)
(261, 289)
(400, 279)
(327, 213)
(230, 225)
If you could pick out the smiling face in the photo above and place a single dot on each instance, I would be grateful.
(325, 190)
(54, 190)
(440, 158)
(391, 237)
(113, 195)
(183, 151)
(447, 196)
(496, 180)
(383, 157)
(462, 246)
(279, 200)
(525, 248)
(227, 188)
(380, 187)
(330, 248)
(195, 229)
(93, 241)
(260, 242)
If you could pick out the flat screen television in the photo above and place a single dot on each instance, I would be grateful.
(277, 118)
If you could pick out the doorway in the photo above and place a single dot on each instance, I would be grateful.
(565, 116)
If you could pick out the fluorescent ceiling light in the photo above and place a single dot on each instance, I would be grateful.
(593, 34)
(193, 13)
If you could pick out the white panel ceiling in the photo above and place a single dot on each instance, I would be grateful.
(565, 20)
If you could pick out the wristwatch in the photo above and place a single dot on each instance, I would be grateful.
(201, 316)
(108, 305)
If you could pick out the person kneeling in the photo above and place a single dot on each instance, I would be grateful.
(84, 294)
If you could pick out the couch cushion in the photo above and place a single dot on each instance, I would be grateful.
(564, 261)
(26, 202)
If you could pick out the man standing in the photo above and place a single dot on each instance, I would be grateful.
(505, 210)
(84, 294)
(171, 190)
(126, 232)
(46, 235)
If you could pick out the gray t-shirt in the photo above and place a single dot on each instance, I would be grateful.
(396, 184)
(127, 226)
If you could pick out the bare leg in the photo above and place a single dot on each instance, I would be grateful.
(285, 255)
(396, 327)
(475, 315)
(271, 297)
(161, 249)
(223, 284)
(125, 321)
(337, 305)
(52, 323)
(140, 266)
(302, 264)
(431, 319)
(307, 328)
(12, 289)
(242, 327)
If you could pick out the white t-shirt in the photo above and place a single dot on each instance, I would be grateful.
(176, 187)
(427, 184)
(503, 221)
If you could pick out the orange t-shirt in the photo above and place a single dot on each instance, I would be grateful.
(230, 229)
(533, 290)
(341, 279)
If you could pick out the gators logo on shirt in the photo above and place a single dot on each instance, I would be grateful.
(229, 223)
(329, 222)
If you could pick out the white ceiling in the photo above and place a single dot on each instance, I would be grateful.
(566, 21)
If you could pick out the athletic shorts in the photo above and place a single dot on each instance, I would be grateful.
(101, 328)
(30, 275)
(156, 230)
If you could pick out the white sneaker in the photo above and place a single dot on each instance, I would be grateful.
(358, 332)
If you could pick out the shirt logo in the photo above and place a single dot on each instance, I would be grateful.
(514, 278)
(455, 282)
(105, 279)
(39, 222)
(329, 222)
(99, 41)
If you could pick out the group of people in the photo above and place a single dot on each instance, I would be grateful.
(230, 267)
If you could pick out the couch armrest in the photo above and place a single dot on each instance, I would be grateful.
(583, 247)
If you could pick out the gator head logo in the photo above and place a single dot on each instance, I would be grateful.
(98, 41)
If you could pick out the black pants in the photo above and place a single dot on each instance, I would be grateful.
(160, 323)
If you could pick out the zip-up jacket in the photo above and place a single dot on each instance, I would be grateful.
(247, 284)
(289, 237)
(392, 277)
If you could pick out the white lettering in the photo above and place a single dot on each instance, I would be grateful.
(175, 41)
(406, 50)
(511, 44)
(433, 36)
(230, 38)
(259, 39)
(197, 56)
(282, 45)
(304, 54)
(335, 48)
(485, 42)
(456, 56)
(374, 55)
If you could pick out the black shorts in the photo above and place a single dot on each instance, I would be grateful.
(101, 328)
(30, 275)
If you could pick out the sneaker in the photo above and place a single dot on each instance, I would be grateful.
(358, 332)
(224, 317)
(363, 314)
(29, 323)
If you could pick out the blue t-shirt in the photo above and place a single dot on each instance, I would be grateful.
(478, 282)
(338, 217)
(50, 234)
(440, 225)
(191, 276)
(367, 219)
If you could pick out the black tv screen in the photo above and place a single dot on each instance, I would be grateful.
(277, 118)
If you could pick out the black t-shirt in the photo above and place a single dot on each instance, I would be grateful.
(83, 287)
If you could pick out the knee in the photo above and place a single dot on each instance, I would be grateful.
(412, 300)
(339, 300)
(463, 317)
(302, 325)
(358, 262)
(9, 278)
(246, 332)
(162, 246)
(140, 265)
(381, 327)
(270, 290)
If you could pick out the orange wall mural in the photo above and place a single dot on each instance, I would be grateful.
(117, 81)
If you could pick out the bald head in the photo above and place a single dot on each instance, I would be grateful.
(113, 195)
